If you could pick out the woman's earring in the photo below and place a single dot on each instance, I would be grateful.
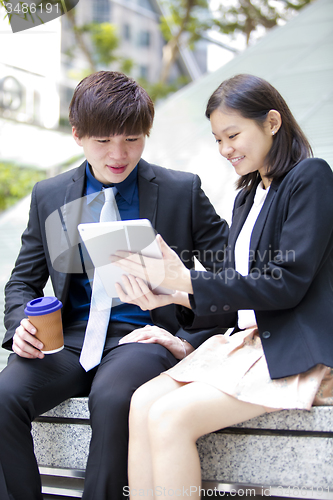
(273, 132)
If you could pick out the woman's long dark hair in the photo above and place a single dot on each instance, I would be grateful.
(252, 97)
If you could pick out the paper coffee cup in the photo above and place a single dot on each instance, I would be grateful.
(44, 313)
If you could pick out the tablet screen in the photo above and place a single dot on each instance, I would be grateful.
(103, 239)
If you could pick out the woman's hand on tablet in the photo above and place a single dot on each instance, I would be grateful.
(135, 291)
(168, 272)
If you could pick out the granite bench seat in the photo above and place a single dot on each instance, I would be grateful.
(284, 454)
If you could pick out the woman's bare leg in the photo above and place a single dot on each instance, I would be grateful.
(140, 472)
(176, 421)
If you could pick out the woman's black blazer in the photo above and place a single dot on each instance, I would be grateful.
(290, 283)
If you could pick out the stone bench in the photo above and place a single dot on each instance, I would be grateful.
(283, 454)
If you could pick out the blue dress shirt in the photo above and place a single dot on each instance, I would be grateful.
(127, 199)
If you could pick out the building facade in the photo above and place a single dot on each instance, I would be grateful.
(29, 72)
(137, 25)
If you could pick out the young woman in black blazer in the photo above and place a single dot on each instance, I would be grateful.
(276, 291)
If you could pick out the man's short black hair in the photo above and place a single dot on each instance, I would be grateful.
(110, 103)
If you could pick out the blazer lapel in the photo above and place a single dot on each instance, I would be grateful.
(239, 217)
(261, 221)
(148, 192)
(70, 213)
(71, 210)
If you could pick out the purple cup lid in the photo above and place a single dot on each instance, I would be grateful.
(42, 305)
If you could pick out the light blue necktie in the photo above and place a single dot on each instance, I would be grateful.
(100, 307)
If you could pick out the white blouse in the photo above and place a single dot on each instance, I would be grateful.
(246, 317)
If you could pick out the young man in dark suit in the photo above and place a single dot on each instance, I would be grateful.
(111, 115)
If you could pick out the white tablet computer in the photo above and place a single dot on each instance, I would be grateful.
(103, 239)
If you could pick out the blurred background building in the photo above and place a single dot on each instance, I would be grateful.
(41, 67)
(137, 24)
(29, 69)
(138, 28)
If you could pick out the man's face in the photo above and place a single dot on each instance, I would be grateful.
(112, 158)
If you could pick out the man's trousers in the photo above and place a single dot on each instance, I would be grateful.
(29, 388)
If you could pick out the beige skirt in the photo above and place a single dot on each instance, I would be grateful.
(237, 365)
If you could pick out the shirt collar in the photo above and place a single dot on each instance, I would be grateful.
(260, 194)
(125, 188)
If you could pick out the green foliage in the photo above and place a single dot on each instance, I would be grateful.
(296, 5)
(126, 65)
(2, 4)
(191, 16)
(16, 182)
(183, 22)
(99, 43)
(241, 16)
(105, 41)
(245, 16)
(161, 90)
(5, 11)
(23, 10)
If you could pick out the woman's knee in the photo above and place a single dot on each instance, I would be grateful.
(167, 419)
(141, 400)
(146, 395)
(140, 407)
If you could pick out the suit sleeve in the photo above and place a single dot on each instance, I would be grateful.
(210, 237)
(305, 242)
(29, 275)
(210, 232)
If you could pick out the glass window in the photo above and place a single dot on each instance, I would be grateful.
(146, 4)
(144, 39)
(101, 11)
(127, 32)
(144, 72)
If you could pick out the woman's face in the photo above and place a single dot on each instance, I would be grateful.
(242, 141)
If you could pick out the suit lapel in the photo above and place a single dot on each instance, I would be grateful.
(261, 221)
(148, 192)
(72, 208)
(75, 189)
(239, 217)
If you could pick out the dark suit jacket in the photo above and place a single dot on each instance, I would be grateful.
(174, 203)
(290, 285)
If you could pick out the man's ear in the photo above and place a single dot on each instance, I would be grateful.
(76, 137)
(273, 121)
